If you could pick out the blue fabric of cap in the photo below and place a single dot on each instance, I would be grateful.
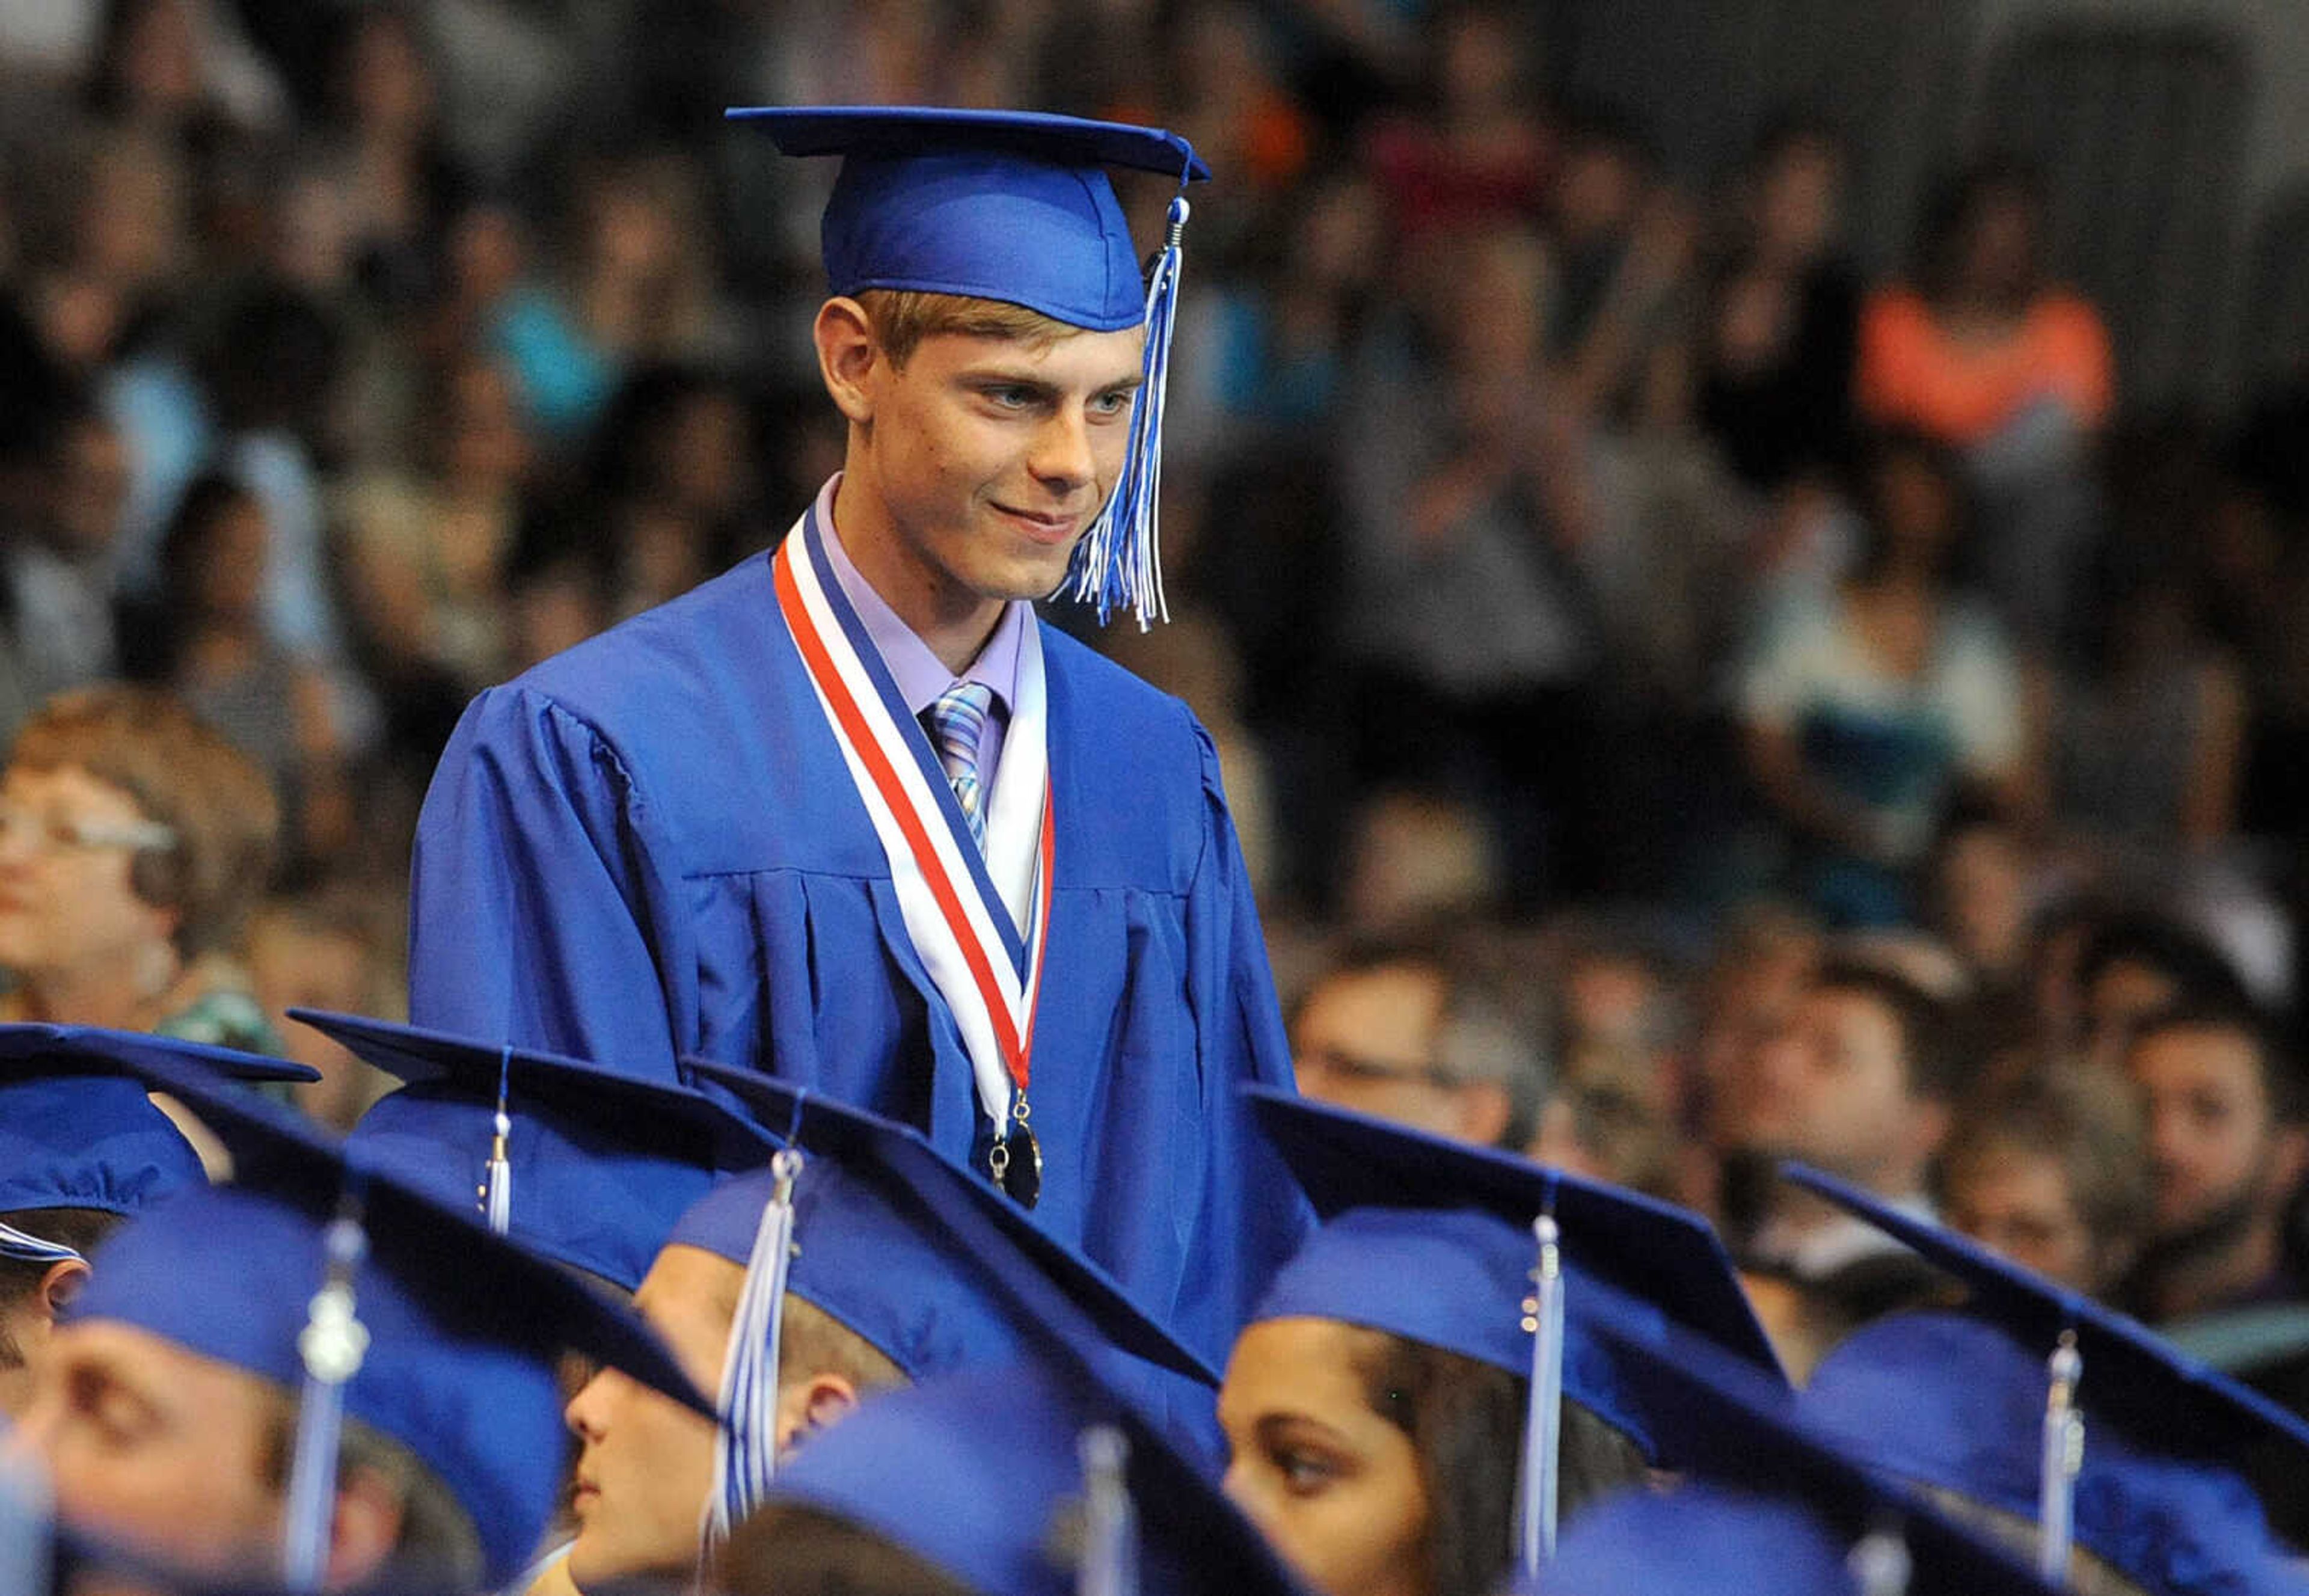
(1432, 1240)
(1952, 1400)
(2135, 1380)
(1803, 1494)
(1013, 206)
(76, 1132)
(873, 1248)
(603, 1163)
(979, 1475)
(464, 1327)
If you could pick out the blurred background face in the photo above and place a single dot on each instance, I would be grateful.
(1366, 1040)
(1798, 199)
(646, 1469)
(1332, 1485)
(1832, 1087)
(66, 904)
(160, 1449)
(2121, 995)
(1998, 255)
(2212, 1133)
(2020, 1203)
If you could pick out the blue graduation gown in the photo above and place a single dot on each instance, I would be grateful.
(650, 848)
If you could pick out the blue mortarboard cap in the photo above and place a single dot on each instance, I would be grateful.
(77, 1132)
(874, 1247)
(998, 1478)
(1768, 1504)
(1433, 1240)
(463, 1327)
(1003, 205)
(597, 1165)
(1957, 1401)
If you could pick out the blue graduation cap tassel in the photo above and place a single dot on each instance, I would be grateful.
(1109, 1564)
(1543, 1430)
(331, 1346)
(497, 1199)
(2064, 1458)
(21, 1246)
(1119, 563)
(744, 1452)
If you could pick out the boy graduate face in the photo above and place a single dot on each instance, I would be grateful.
(168, 1420)
(879, 1296)
(81, 1150)
(985, 338)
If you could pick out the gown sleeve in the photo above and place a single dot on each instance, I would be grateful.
(541, 912)
(1254, 1216)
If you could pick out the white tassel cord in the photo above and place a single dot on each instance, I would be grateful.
(1109, 1564)
(2064, 1458)
(1119, 563)
(1543, 1437)
(744, 1452)
(332, 1344)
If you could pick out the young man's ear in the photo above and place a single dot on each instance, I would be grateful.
(58, 1287)
(807, 1407)
(846, 354)
(365, 1530)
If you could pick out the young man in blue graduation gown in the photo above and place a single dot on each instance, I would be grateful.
(725, 829)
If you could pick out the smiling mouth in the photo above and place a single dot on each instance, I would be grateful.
(1044, 528)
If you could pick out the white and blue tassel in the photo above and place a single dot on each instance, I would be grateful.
(744, 1450)
(2063, 1459)
(496, 1190)
(21, 1246)
(332, 1345)
(1119, 563)
(1543, 1430)
(1109, 1564)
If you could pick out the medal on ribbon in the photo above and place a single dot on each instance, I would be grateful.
(982, 948)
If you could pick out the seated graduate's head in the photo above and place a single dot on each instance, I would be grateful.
(877, 1292)
(1379, 1407)
(82, 1149)
(644, 1470)
(315, 1375)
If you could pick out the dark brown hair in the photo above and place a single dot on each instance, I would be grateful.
(1465, 1420)
(790, 1550)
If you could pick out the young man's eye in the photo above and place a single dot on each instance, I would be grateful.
(1112, 405)
(1009, 398)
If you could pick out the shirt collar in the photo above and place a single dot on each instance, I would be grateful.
(919, 674)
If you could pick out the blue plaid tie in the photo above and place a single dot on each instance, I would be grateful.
(955, 723)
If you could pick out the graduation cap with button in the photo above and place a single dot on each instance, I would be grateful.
(1765, 1505)
(857, 1215)
(1492, 1257)
(586, 1165)
(369, 1301)
(1015, 206)
(2038, 1403)
(1041, 1478)
(77, 1132)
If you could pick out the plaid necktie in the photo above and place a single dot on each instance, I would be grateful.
(955, 723)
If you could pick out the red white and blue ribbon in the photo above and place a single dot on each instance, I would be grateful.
(978, 922)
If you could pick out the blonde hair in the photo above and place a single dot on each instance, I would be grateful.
(901, 319)
(183, 774)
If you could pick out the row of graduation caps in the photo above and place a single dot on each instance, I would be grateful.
(439, 1250)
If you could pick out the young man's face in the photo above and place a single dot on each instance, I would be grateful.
(1832, 1089)
(158, 1449)
(992, 457)
(647, 1464)
(2213, 1137)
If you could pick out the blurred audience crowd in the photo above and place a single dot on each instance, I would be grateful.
(1687, 702)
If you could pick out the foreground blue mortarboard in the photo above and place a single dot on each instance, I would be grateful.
(594, 1165)
(1012, 1481)
(1015, 206)
(1498, 1259)
(1768, 1507)
(2135, 1458)
(462, 1328)
(77, 1132)
(866, 1232)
